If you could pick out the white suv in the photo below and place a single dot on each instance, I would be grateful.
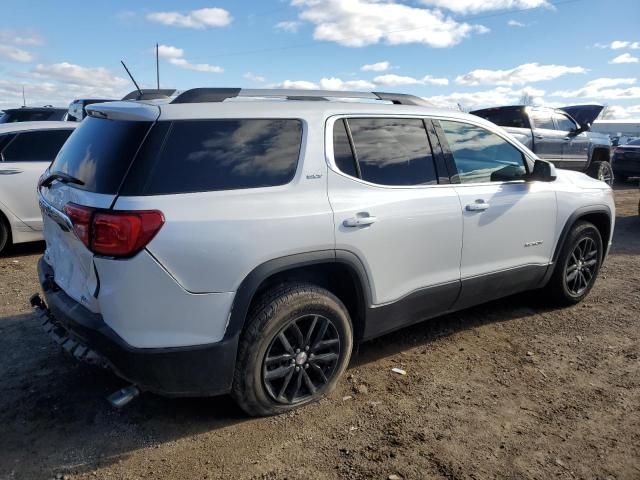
(26, 150)
(241, 241)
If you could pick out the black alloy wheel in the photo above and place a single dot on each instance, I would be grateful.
(301, 359)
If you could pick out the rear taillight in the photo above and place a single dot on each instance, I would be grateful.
(114, 233)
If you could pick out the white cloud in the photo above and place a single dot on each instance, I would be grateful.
(391, 80)
(168, 51)
(525, 73)
(486, 98)
(254, 78)
(175, 56)
(288, 26)
(620, 44)
(602, 89)
(475, 6)
(625, 58)
(357, 23)
(70, 73)
(16, 54)
(59, 83)
(198, 19)
(619, 112)
(376, 67)
(14, 37)
(331, 83)
(515, 23)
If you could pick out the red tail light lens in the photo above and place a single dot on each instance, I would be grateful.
(114, 233)
(81, 219)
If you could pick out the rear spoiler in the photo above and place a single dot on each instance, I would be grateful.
(149, 94)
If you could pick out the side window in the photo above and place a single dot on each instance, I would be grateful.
(542, 119)
(393, 151)
(4, 140)
(482, 156)
(40, 146)
(210, 155)
(342, 153)
(563, 123)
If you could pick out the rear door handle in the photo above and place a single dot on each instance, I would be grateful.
(567, 138)
(360, 220)
(539, 137)
(10, 171)
(477, 206)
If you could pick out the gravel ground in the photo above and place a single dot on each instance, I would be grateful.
(510, 389)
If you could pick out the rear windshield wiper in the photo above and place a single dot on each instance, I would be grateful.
(61, 177)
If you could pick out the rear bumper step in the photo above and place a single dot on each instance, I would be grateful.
(200, 370)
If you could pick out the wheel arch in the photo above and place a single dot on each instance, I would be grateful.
(598, 215)
(339, 271)
(600, 154)
(4, 220)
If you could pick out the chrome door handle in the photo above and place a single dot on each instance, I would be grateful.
(567, 138)
(539, 137)
(477, 206)
(359, 221)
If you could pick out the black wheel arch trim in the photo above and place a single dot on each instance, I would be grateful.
(571, 221)
(249, 286)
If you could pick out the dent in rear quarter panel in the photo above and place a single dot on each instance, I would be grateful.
(212, 240)
(146, 307)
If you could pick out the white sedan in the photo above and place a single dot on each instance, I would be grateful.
(26, 150)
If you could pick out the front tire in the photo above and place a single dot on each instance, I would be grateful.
(577, 266)
(296, 345)
(601, 171)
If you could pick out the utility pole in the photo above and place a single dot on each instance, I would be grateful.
(158, 66)
(24, 100)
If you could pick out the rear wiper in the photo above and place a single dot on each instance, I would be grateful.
(61, 177)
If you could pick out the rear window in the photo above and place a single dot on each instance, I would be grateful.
(99, 153)
(392, 151)
(32, 115)
(209, 155)
(508, 117)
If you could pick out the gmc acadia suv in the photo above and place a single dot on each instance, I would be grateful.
(227, 240)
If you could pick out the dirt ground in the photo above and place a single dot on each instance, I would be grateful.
(510, 389)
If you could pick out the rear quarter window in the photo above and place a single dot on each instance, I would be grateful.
(38, 146)
(210, 155)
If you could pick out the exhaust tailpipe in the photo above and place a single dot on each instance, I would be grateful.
(123, 396)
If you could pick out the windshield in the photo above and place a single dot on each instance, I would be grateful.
(99, 153)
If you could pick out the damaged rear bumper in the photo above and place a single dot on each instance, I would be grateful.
(176, 371)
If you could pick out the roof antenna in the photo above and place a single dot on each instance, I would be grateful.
(158, 66)
(131, 77)
(24, 99)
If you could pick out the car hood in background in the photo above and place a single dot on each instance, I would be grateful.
(583, 114)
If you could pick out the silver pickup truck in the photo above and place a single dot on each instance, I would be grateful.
(558, 135)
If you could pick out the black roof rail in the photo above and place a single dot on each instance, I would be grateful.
(203, 95)
(149, 94)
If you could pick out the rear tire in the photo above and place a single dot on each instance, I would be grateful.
(5, 236)
(601, 171)
(578, 265)
(296, 345)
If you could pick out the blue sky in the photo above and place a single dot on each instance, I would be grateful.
(470, 52)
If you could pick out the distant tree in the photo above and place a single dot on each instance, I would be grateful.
(526, 99)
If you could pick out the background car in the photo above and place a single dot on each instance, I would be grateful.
(626, 160)
(33, 114)
(26, 150)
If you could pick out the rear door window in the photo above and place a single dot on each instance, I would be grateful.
(209, 155)
(393, 151)
(40, 146)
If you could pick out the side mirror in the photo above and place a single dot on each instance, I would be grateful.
(543, 171)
